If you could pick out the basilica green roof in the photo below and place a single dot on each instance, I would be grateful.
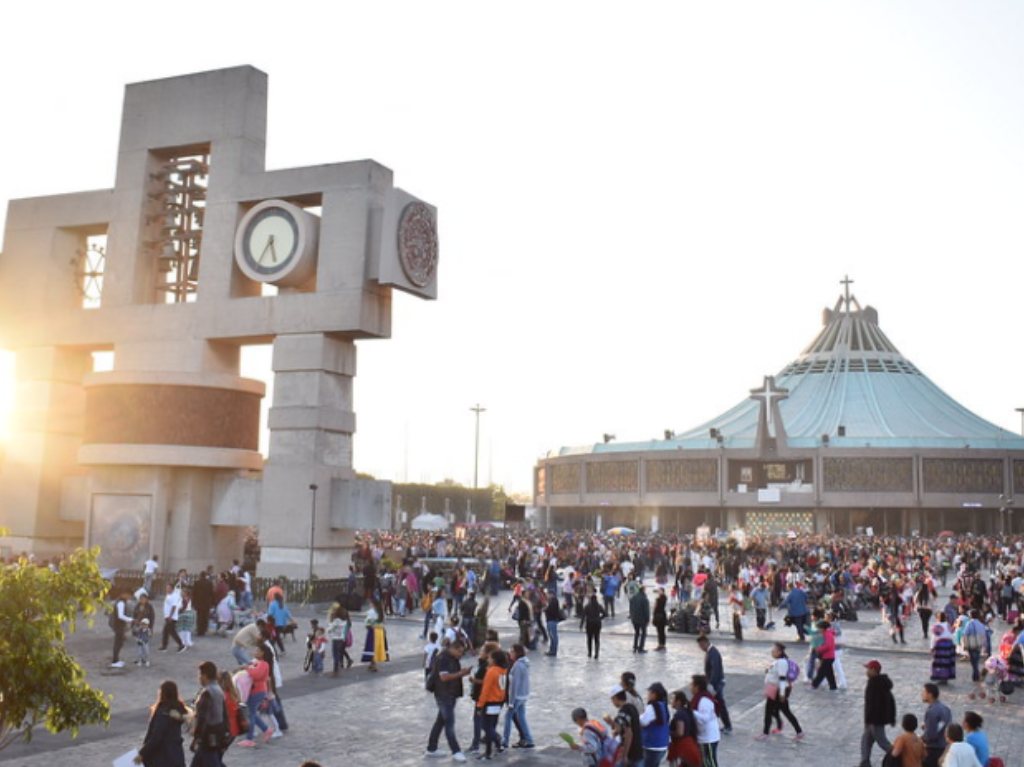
(850, 388)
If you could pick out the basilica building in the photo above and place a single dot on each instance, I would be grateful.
(850, 436)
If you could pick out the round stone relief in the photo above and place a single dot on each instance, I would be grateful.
(417, 244)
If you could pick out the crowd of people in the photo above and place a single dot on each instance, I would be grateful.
(665, 581)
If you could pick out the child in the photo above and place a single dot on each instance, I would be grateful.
(307, 664)
(319, 648)
(429, 651)
(143, 633)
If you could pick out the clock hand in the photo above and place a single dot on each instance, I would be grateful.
(268, 246)
(273, 249)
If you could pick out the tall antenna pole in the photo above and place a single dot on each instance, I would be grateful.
(476, 450)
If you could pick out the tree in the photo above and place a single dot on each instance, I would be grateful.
(40, 682)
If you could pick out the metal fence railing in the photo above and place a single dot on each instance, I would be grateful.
(297, 590)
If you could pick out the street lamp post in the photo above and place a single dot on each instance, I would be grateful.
(312, 537)
(476, 450)
(1021, 411)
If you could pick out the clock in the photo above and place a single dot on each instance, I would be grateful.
(276, 242)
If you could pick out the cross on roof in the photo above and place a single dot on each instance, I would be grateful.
(767, 394)
(846, 282)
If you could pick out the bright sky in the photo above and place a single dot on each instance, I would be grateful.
(643, 207)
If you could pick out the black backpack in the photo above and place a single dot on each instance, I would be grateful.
(434, 676)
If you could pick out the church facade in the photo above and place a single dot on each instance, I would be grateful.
(849, 437)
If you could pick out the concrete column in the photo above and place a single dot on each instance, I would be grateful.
(43, 450)
(311, 426)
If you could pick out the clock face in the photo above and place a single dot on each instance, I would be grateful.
(276, 242)
(270, 240)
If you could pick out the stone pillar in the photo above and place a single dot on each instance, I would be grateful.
(43, 450)
(311, 426)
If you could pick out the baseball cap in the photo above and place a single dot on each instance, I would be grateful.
(873, 664)
(616, 690)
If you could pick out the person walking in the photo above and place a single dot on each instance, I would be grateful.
(826, 657)
(879, 711)
(703, 706)
(923, 604)
(162, 744)
(777, 689)
(626, 726)
(448, 675)
(660, 619)
(943, 651)
(937, 717)
(974, 636)
(795, 604)
(149, 573)
(655, 724)
(553, 615)
(908, 748)
(977, 737)
(760, 596)
(258, 672)
(202, 601)
(120, 622)
(209, 726)
(714, 671)
(958, 753)
(172, 604)
(518, 694)
(639, 616)
(375, 649)
(593, 615)
(492, 697)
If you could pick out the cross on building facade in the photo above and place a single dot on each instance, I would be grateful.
(160, 454)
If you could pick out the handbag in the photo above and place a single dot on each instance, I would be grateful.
(242, 717)
(493, 710)
(771, 691)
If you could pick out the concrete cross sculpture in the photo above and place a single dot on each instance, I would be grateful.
(159, 455)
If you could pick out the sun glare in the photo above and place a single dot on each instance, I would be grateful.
(6, 393)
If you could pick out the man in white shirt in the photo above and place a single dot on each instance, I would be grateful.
(120, 622)
(149, 570)
(172, 606)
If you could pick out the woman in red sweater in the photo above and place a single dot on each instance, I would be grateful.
(258, 671)
(492, 697)
(827, 655)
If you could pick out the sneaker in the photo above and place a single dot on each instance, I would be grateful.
(473, 750)
(117, 664)
(182, 649)
(247, 743)
(777, 731)
(526, 745)
(727, 730)
(146, 664)
(277, 734)
(434, 755)
(458, 756)
(798, 736)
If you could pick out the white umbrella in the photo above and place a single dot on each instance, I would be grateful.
(429, 522)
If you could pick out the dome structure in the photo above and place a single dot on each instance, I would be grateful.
(850, 431)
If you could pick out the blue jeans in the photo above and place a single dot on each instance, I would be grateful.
(653, 758)
(255, 718)
(240, 655)
(975, 656)
(517, 711)
(445, 721)
(553, 632)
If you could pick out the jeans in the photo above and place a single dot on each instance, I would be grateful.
(720, 694)
(975, 656)
(517, 711)
(774, 708)
(240, 655)
(255, 717)
(873, 733)
(594, 640)
(170, 632)
(445, 721)
(490, 726)
(760, 612)
(553, 632)
(639, 636)
(478, 728)
(654, 758)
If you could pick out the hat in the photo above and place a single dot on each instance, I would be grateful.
(617, 690)
(874, 665)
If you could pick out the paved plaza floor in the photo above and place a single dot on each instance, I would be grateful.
(384, 718)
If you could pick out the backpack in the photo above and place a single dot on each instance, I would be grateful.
(792, 670)
(609, 744)
(434, 676)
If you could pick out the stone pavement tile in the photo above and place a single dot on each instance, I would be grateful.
(386, 717)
